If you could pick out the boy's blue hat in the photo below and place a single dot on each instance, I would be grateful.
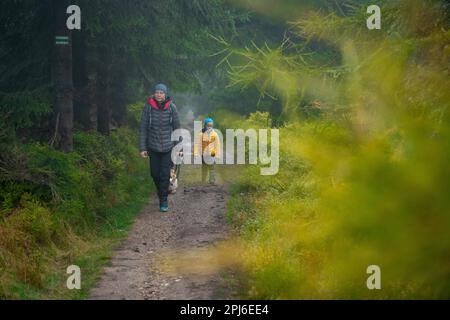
(207, 120)
(162, 87)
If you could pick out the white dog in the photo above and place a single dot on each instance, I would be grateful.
(173, 181)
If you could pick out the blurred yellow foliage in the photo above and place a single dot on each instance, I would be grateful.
(367, 186)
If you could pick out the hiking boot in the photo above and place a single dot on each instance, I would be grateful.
(164, 206)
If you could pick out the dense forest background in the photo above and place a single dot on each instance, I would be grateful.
(352, 105)
(122, 49)
(69, 116)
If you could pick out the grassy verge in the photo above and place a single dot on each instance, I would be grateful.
(62, 209)
(339, 205)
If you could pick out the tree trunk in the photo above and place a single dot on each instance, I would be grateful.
(80, 80)
(103, 91)
(118, 82)
(92, 107)
(62, 78)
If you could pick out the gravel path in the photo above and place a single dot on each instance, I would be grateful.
(195, 220)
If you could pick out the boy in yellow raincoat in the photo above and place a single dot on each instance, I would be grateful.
(210, 146)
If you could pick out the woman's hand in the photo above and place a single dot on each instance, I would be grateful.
(144, 154)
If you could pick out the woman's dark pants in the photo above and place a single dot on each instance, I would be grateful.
(160, 164)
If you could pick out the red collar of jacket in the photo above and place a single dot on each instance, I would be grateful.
(154, 104)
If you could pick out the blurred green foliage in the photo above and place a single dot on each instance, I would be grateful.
(56, 208)
(365, 180)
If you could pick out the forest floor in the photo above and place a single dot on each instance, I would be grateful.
(196, 220)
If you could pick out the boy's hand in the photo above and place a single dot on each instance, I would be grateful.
(144, 154)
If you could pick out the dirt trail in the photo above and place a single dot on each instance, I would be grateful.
(196, 219)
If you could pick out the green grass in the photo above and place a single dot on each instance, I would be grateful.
(311, 231)
(110, 234)
(61, 209)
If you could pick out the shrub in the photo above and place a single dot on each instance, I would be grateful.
(55, 207)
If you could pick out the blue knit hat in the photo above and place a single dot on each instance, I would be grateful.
(207, 120)
(162, 87)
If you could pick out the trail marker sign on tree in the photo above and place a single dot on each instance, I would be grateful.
(61, 40)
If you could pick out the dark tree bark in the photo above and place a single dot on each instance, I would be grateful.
(92, 106)
(118, 83)
(81, 80)
(103, 96)
(62, 78)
